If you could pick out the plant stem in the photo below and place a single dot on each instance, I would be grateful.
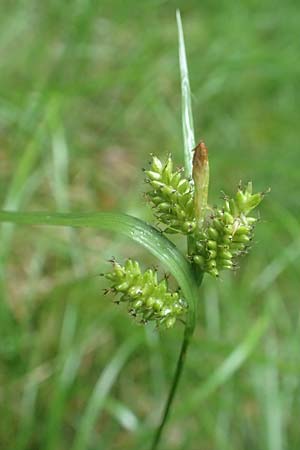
(176, 378)
(177, 375)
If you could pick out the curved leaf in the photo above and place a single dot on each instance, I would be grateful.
(135, 229)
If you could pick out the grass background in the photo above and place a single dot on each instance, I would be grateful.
(87, 90)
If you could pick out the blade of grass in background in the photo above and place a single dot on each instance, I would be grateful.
(158, 378)
(21, 187)
(27, 415)
(228, 368)
(21, 178)
(286, 257)
(126, 418)
(269, 393)
(100, 393)
(70, 359)
(60, 178)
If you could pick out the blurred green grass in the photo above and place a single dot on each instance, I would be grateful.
(87, 90)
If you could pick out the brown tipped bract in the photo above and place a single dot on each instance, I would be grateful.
(201, 181)
(200, 158)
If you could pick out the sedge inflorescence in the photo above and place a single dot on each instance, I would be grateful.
(147, 298)
(171, 197)
(227, 233)
(218, 237)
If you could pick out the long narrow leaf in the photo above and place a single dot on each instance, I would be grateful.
(187, 114)
(135, 229)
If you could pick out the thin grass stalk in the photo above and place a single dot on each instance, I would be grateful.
(173, 389)
(189, 145)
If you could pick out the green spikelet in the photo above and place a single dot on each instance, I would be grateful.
(219, 236)
(146, 297)
(228, 233)
(171, 197)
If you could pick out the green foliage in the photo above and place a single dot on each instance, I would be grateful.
(147, 298)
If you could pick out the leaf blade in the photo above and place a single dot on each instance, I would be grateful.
(137, 230)
(187, 114)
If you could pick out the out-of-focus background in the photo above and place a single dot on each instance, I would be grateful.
(88, 89)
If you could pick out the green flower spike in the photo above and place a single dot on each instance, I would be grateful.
(218, 236)
(171, 197)
(146, 297)
(228, 233)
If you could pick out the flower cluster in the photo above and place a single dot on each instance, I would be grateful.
(227, 233)
(171, 197)
(147, 298)
(219, 235)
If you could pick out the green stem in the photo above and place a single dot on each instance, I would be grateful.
(178, 372)
(189, 144)
(173, 389)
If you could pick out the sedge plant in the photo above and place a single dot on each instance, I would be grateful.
(217, 237)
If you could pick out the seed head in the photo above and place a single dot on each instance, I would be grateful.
(147, 298)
